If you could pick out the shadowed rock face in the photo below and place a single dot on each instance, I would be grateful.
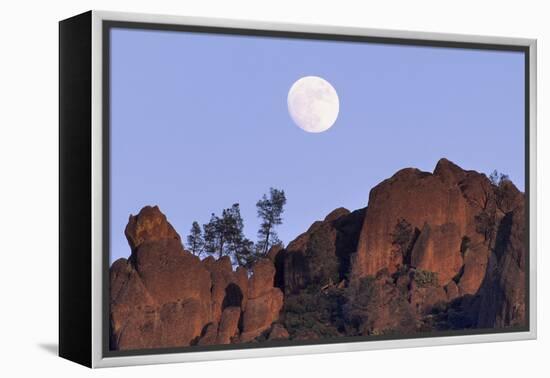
(433, 251)
(320, 255)
(503, 290)
(228, 289)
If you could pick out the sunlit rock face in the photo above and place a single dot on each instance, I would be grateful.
(163, 296)
(441, 207)
(432, 251)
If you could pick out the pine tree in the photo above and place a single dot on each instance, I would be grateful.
(195, 241)
(213, 242)
(270, 211)
(244, 254)
(224, 235)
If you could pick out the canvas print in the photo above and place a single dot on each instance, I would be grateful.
(285, 190)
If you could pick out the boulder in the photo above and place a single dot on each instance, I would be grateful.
(278, 332)
(229, 325)
(321, 254)
(260, 313)
(170, 273)
(378, 306)
(160, 297)
(503, 292)
(126, 286)
(131, 307)
(135, 327)
(261, 281)
(209, 335)
(273, 252)
(149, 224)
(423, 297)
(181, 322)
(336, 214)
(449, 172)
(473, 271)
(417, 197)
(451, 289)
(437, 249)
(229, 288)
(444, 204)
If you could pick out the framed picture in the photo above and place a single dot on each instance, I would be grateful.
(232, 189)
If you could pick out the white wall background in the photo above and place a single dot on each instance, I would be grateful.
(28, 186)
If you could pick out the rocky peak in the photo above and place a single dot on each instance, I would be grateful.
(149, 225)
(336, 214)
(163, 296)
(417, 198)
(433, 251)
(449, 172)
(322, 254)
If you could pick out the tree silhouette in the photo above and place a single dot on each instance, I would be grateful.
(224, 235)
(500, 196)
(213, 238)
(195, 242)
(270, 211)
(244, 254)
(498, 178)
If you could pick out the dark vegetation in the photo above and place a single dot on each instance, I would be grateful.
(322, 261)
(403, 238)
(313, 314)
(223, 235)
(499, 198)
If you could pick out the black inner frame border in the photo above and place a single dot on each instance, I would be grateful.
(108, 25)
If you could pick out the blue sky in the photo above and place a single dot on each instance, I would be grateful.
(200, 121)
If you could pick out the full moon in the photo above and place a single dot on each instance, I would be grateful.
(313, 104)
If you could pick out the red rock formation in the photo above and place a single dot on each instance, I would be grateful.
(503, 293)
(444, 205)
(229, 288)
(321, 254)
(131, 306)
(451, 289)
(149, 225)
(457, 261)
(161, 296)
(172, 274)
(437, 249)
(229, 325)
(423, 297)
(264, 301)
(278, 332)
(261, 281)
(386, 309)
(475, 266)
(415, 196)
(164, 296)
(273, 252)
